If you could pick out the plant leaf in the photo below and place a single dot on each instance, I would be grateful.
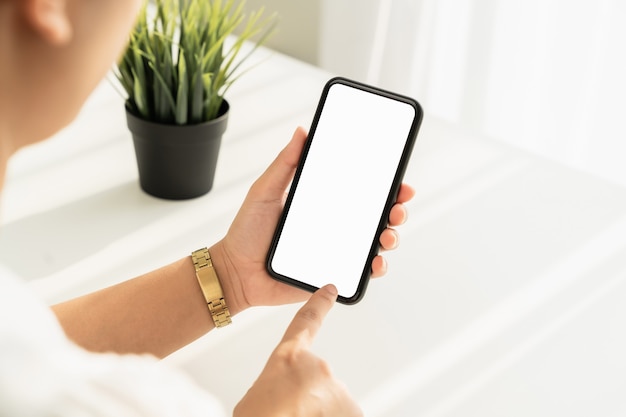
(180, 60)
(183, 90)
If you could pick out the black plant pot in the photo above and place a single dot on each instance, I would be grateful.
(177, 162)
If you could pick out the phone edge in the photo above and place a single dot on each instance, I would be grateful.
(391, 198)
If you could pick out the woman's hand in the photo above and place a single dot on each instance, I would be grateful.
(294, 381)
(240, 256)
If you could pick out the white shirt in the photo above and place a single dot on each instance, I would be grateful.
(42, 373)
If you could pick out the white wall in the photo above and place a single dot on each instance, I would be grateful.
(346, 36)
(544, 75)
(298, 27)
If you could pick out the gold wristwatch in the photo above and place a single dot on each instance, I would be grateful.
(211, 288)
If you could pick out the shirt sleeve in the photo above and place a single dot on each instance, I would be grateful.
(42, 373)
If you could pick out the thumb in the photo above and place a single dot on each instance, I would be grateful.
(309, 318)
(274, 181)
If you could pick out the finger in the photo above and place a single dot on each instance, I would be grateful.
(389, 239)
(308, 319)
(272, 184)
(379, 267)
(397, 214)
(406, 193)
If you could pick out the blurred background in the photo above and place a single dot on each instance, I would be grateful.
(544, 75)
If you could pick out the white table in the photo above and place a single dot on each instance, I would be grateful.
(507, 296)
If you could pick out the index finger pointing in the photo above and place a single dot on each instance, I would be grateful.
(309, 318)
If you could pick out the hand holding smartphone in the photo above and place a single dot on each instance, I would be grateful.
(346, 182)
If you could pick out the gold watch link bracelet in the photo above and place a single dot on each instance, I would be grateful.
(211, 288)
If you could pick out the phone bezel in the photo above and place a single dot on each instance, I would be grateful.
(391, 197)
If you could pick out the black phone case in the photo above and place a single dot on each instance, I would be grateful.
(391, 198)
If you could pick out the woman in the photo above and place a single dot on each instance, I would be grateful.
(52, 361)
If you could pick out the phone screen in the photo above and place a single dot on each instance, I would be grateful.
(346, 183)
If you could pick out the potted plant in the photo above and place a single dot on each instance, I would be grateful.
(181, 59)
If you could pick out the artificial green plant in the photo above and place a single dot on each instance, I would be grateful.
(183, 55)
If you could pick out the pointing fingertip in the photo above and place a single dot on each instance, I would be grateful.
(332, 290)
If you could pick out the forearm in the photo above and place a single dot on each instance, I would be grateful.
(156, 313)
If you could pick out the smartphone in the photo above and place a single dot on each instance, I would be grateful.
(346, 182)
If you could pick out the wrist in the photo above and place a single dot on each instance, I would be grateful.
(226, 274)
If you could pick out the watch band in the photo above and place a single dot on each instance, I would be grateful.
(211, 288)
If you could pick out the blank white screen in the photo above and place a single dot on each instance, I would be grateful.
(343, 188)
